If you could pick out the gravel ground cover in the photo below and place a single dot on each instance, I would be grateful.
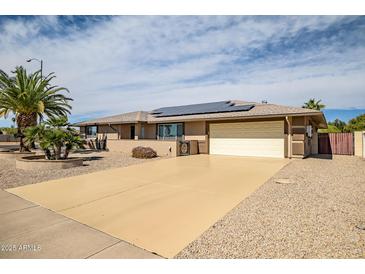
(93, 161)
(318, 215)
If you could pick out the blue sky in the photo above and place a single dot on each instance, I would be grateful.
(114, 64)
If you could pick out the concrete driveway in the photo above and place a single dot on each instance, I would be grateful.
(29, 231)
(160, 206)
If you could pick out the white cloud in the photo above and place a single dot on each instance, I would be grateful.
(129, 63)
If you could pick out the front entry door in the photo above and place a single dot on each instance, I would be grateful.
(132, 132)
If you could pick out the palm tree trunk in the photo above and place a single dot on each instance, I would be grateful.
(24, 121)
(34, 123)
(22, 147)
(58, 152)
(47, 154)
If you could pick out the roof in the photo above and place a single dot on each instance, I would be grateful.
(206, 108)
(124, 118)
(222, 110)
(257, 111)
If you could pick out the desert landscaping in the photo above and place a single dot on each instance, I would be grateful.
(319, 214)
(11, 177)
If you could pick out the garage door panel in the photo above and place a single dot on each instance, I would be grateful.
(262, 139)
(274, 129)
(248, 147)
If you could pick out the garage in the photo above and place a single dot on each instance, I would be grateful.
(260, 139)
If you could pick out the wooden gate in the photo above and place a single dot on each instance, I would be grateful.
(336, 143)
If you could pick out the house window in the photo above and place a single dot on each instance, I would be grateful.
(170, 131)
(91, 131)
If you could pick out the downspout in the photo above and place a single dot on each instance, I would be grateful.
(289, 137)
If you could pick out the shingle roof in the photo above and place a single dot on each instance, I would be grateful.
(258, 110)
(206, 112)
(124, 118)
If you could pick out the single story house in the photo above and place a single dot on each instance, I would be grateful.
(227, 127)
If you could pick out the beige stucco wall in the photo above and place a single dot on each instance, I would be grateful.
(298, 121)
(197, 131)
(301, 145)
(358, 145)
(125, 131)
(307, 140)
(107, 129)
(286, 145)
(82, 130)
(163, 148)
(195, 128)
(112, 132)
(149, 131)
(137, 131)
(310, 143)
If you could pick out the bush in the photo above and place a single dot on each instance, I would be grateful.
(330, 129)
(56, 138)
(8, 130)
(143, 153)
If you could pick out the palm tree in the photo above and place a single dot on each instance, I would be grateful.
(54, 136)
(31, 97)
(313, 104)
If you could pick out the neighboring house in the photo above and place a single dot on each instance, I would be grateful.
(227, 128)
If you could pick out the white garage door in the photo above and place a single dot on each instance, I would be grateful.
(261, 139)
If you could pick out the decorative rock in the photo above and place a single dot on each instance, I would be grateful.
(360, 226)
(284, 181)
(314, 218)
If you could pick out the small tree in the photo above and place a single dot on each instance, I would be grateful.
(55, 137)
(355, 124)
(330, 129)
(313, 104)
(31, 97)
(339, 124)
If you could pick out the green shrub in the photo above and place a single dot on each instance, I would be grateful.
(56, 138)
(8, 130)
(143, 152)
(330, 129)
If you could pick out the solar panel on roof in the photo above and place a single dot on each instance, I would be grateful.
(216, 107)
